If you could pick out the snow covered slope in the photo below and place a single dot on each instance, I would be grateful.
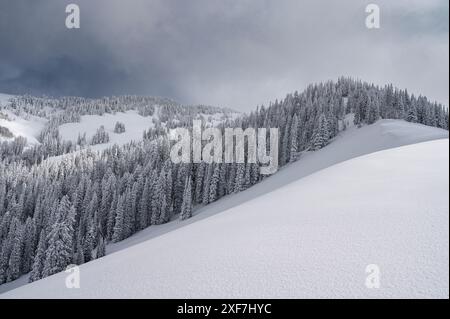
(18, 126)
(353, 142)
(135, 125)
(29, 127)
(4, 99)
(311, 238)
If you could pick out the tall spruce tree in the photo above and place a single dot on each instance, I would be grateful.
(186, 208)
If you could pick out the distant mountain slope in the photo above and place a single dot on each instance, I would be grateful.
(135, 125)
(75, 117)
(311, 238)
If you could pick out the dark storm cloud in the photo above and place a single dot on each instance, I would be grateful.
(236, 53)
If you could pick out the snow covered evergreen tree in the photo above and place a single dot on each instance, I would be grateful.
(322, 135)
(60, 240)
(186, 208)
(294, 140)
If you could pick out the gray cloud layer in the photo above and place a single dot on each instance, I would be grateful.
(236, 53)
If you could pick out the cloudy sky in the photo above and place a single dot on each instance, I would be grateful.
(236, 53)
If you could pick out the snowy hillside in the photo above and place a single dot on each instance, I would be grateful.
(30, 126)
(19, 126)
(4, 98)
(384, 134)
(62, 204)
(388, 208)
(135, 125)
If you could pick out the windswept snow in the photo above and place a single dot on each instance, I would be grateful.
(311, 238)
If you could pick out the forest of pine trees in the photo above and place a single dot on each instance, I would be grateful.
(56, 213)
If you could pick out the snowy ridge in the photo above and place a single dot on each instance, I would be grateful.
(376, 212)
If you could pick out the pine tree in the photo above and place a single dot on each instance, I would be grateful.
(15, 261)
(199, 183)
(207, 184)
(111, 218)
(322, 135)
(60, 240)
(144, 209)
(160, 212)
(239, 184)
(78, 257)
(39, 259)
(214, 184)
(186, 208)
(294, 139)
(2, 195)
(101, 248)
(412, 115)
(373, 109)
(118, 233)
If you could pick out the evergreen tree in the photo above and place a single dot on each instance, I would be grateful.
(412, 115)
(39, 259)
(321, 136)
(239, 184)
(60, 240)
(15, 261)
(214, 184)
(186, 208)
(294, 139)
(118, 233)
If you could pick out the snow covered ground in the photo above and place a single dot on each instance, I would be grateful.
(135, 125)
(4, 99)
(311, 238)
(19, 126)
(28, 128)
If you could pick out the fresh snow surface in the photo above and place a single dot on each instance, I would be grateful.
(19, 126)
(311, 238)
(4, 99)
(135, 125)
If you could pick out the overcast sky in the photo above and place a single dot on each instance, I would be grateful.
(235, 53)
